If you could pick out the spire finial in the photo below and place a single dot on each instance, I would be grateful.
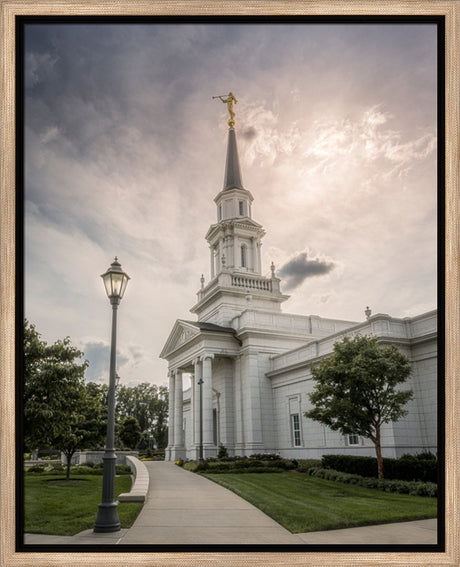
(229, 102)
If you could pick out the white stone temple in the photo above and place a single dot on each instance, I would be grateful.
(252, 361)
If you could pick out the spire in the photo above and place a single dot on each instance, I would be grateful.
(232, 178)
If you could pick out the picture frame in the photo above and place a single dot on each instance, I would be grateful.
(450, 10)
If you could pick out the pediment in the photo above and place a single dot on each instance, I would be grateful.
(181, 334)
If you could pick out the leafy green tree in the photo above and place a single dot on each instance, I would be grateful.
(53, 384)
(87, 426)
(60, 410)
(148, 403)
(130, 432)
(357, 389)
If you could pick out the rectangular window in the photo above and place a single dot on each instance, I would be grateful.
(353, 439)
(240, 208)
(220, 212)
(295, 429)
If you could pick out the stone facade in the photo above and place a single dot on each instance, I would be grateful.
(249, 363)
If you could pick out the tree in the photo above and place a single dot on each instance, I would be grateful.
(60, 410)
(148, 403)
(130, 432)
(357, 389)
(86, 427)
(53, 383)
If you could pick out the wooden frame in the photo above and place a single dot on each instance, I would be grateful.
(450, 9)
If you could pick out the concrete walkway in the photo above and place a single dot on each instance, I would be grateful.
(185, 508)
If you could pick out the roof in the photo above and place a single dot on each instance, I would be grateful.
(210, 327)
(233, 179)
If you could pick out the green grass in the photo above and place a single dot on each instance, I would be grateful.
(59, 507)
(302, 503)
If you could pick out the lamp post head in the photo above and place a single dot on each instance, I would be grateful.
(115, 282)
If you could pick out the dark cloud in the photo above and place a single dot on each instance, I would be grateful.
(249, 133)
(299, 268)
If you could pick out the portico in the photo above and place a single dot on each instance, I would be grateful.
(199, 351)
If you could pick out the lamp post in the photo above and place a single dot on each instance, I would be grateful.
(200, 456)
(115, 281)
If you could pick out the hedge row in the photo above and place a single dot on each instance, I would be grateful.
(413, 488)
(422, 467)
(239, 465)
(88, 468)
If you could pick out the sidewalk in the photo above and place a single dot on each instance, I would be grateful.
(185, 508)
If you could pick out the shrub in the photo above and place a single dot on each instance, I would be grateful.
(222, 453)
(421, 467)
(35, 469)
(413, 488)
(305, 464)
(191, 466)
(265, 456)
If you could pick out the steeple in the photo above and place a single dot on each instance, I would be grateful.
(233, 179)
(235, 242)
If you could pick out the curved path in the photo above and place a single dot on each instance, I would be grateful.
(183, 508)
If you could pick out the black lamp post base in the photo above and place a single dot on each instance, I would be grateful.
(107, 518)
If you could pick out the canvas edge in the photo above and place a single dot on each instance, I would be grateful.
(9, 9)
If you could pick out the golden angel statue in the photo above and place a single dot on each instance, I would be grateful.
(229, 102)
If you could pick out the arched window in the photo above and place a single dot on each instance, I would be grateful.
(220, 212)
(241, 208)
(243, 256)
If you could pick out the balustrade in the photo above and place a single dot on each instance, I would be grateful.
(252, 283)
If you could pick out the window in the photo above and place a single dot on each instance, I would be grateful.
(295, 430)
(220, 211)
(243, 256)
(241, 208)
(353, 439)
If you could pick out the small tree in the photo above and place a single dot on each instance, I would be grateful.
(356, 389)
(130, 432)
(86, 427)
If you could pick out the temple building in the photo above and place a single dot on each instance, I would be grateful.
(249, 363)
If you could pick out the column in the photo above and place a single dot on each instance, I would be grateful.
(253, 439)
(196, 414)
(178, 415)
(253, 261)
(258, 262)
(192, 408)
(238, 403)
(171, 415)
(211, 250)
(207, 401)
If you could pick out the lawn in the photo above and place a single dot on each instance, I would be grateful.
(302, 503)
(59, 507)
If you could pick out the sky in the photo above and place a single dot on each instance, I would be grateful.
(125, 151)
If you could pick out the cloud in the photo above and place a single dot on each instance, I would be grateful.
(264, 138)
(300, 267)
(249, 133)
(365, 141)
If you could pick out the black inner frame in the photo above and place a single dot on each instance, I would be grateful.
(20, 23)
